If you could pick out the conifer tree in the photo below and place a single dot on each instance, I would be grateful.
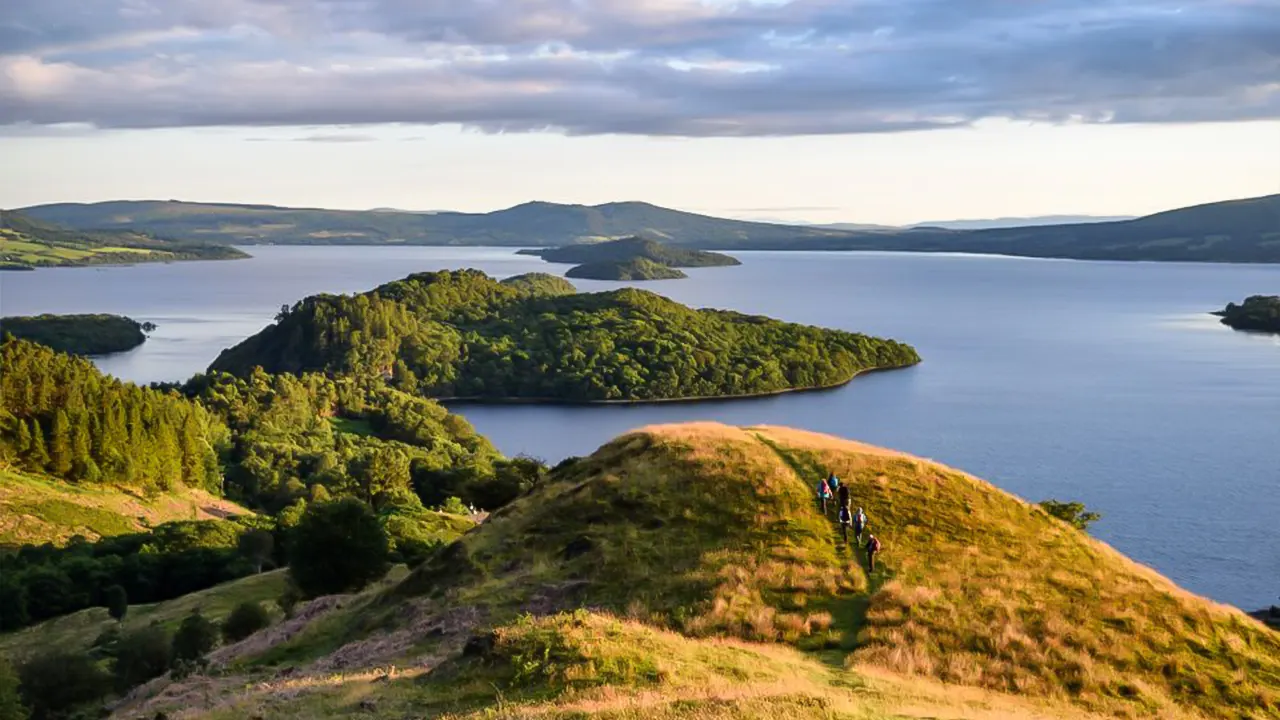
(60, 457)
(38, 458)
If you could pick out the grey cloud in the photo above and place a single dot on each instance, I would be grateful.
(651, 67)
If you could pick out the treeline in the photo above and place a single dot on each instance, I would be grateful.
(463, 335)
(60, 415)
(1258, 312)
(79, 334)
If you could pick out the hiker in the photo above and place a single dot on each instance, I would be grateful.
(833, 482)
(824, 494)
(843, 495)
(873, 547)
(845, 519)
(859, 524)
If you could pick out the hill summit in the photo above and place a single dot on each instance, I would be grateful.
(686, 571)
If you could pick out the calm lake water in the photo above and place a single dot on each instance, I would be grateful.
(1101, 382)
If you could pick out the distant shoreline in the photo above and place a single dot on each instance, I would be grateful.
(478, 401)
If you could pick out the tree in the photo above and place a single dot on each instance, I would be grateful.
(13, 605)
(246, 619)
(195, 638)
(11, 707)
(60, 454)
(142, 655)
(57, 681)
(256, 546)
(1072, 513)
(117, 602)
(337, 547)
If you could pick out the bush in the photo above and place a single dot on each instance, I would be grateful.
(455, 506)
(246, 619)
(195, 638)
(11, 707)
(55, 682)
(140, 656)
(1072, 513)
(117, 602)
(337, 547)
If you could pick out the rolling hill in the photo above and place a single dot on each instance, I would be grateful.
(26, 243)
(684, 571)
(1245, 230)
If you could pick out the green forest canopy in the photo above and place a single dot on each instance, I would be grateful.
(464, 335)
(630, 249)
(1258, 312)
(633, 269)
(79, 334)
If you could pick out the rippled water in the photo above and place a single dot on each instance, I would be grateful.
(1101, 382)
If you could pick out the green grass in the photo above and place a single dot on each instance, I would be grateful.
(77, 631)
(36, 510)
(15, 247)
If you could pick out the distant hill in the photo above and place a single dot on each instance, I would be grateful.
(1008, 222)
(26, 243)
(630, 249)
(684, 571)
(634, 269)
(1232, 231)
(534, 223)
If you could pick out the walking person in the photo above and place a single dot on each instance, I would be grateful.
(873, 547)
(859, 524)
(824, 494)
(843, 495)
(845, 520)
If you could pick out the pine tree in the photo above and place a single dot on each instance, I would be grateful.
(38, 458)
(60, 456)
(24, 439)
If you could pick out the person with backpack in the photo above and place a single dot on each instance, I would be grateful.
(833, 482)
(859, 524)
(873, 547)
(824, 494)
(843, 495)
(845, 519)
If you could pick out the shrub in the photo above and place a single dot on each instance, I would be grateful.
(246, 619)
(455, 506)
(11, 707)
(1073, 513)
(57, 681)
(117, 602)
(195, 638)
(337, 547)
(140, 656)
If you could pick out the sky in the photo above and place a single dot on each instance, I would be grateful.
(876, 111)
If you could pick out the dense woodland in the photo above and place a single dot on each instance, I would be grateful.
(622, 270)
(463, 335)
(60, 415)
(79, 334)
(630, 249)
(1259, 312)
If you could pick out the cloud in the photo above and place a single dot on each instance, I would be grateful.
(646, 67)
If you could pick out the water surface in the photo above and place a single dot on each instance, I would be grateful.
(1101, 382)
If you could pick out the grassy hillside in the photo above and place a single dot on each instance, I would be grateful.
(36, 510)
(27, 243)
(631, 249)
(1245, 230)
(717, 589)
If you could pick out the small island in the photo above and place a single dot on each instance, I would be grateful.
(630, 249)
(79, 334)
(1259, 313)
(634, 269)
(463, 336)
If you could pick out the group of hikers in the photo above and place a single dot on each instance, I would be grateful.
(830, 487)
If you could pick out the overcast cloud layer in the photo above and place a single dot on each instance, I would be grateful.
(651, 67)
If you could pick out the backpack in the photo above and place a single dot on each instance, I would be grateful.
(873, 545)
(862, 518)
(823, 490)
(834, 482)
(844, 516)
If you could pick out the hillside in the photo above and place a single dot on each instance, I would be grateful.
(78, 334)
(26, 243)
(534, 223)
(633, 269)
(1258, 312)
(1246, 230)
(540, 284)
(36, 509)
(717, 589)
(456, 335)
(631, 249)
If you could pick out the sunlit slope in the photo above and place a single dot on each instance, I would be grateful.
(711, 530)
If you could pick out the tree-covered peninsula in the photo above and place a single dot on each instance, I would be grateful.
(26, 243)
(1258, 312)
(79, 334)
(630, 249)
(463, 335)
(634, 269)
